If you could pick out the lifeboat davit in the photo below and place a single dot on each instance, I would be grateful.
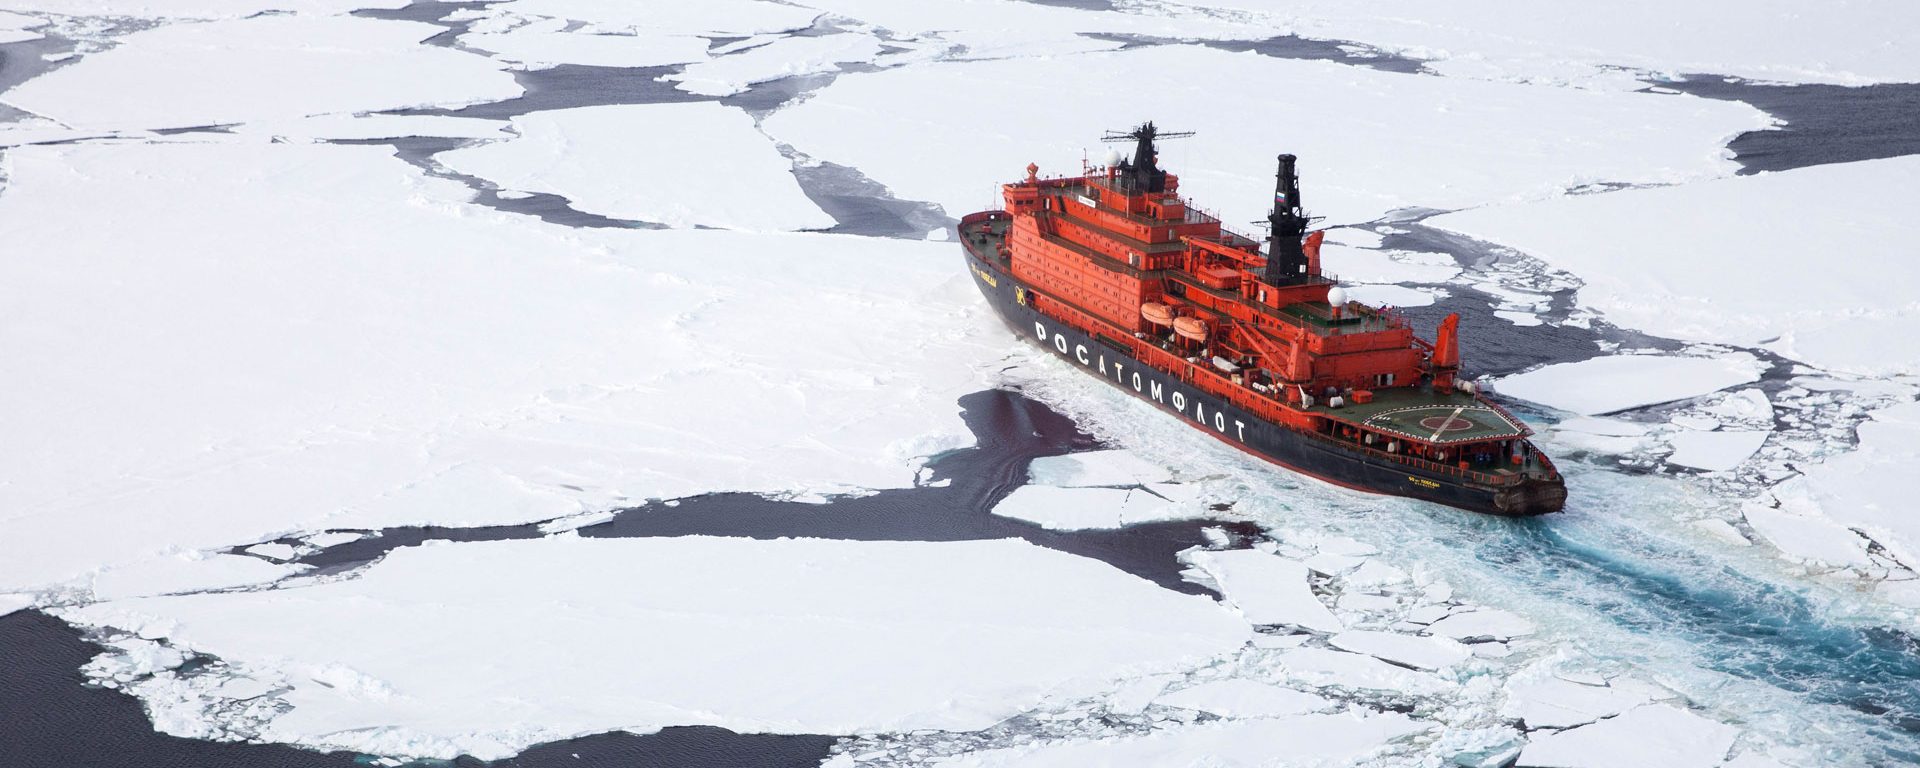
(1158, 314)
(1191, 327)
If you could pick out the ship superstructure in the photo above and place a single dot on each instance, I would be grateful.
(1115, 271)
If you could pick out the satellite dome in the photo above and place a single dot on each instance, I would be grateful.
(1113, 157)
(1337, 297)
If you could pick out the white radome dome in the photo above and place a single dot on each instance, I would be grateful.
(1113, 158)
(1337, 297)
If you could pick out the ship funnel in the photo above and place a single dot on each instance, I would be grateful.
(1286, 256)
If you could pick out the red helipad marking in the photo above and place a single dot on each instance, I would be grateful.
(1445, 423)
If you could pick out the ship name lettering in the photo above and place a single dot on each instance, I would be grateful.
(1080, 353)
(1116, 370)
(1240, 428)
(1421, 481)
(1158, 392)
(1103, 365)
(1180, 402)
(1219, 421)
(1060, 342)
(1040, 330)
(1136, 381)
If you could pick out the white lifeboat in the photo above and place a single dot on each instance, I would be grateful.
(1156, 313)
(1191, 327)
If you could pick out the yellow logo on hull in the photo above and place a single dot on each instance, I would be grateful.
(1422, 482)
(984, 277)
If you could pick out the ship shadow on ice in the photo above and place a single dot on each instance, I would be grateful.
(51, 718)
(954, 504)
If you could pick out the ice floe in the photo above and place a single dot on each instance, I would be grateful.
(1415, 651)
(365, 127)
(651, 162)
(1334, 739)
(301, 332)
(1870, 489)
(1715, 451)
(1618, 382)
(1546, 701)
(19, 27)
(1072, 509)
(1240, 697)
(1584, 44)
(1321, 667)
(584, 635)
(1266, 588)
(1482, 623)
(183, 75)
(921, 131)
(191, 572)
(787, 57)
(1650, 736)
(1692, 272)
(196, 9)
(547, 43)
(707, 17)
(1096, 468)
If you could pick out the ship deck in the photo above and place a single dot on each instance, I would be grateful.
(1434, 417)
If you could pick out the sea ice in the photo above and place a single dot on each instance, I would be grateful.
(1693, 272)
(1813, 538)
(584, 635)
(293, 332)
(1073, 509)
(1096, 468)
(18, 27)
(1573, 42)
(1241, 697)
(542, 45)
(1407, 650)
(194, 572)
(707, 17)
(1321, 667)
(364, 127)
(182, 75)
(1618, 382)
(196, 9)
(788, 57)
(1545, 701)
(1391, 295)
(922, 132)
(1715, 451)
(649, 162)
(10, 602)
(1334, 739)
(1870, 488)
(1363, 265)
(1651, 736)
(1266, 588)
(273, 550)
(1482, 623)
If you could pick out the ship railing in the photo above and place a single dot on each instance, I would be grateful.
(1220, 385)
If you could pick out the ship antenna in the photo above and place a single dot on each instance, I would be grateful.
(1143, 174)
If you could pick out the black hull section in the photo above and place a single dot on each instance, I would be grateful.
(1324, 459)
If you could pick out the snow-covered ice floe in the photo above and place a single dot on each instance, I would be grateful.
(251, 339)
(923, 131)
(228, 71)
(1266, 588)
(1618, 382)
(576, 636)
(1072, 509)
(1306, 740)
(1814, 263)
(653, 162)
(1867, 490)
(1586, 44)
(1643, 737)
(546, 43)
(787, 57)
(195, 9)
(704, 18)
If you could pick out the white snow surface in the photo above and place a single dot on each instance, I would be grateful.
(1869, 488)
(1715, 451)
(1571, 42)
(1482, 623)
(787, 57)
(1266, 588)
(1651, 736)
(1805, 535)
(1619, 382)
(14, 602)
(1321, 667)
(1114, 467)
(581, 635)
(1242, 697)
(921, 131)
(334, 127)
(1301, 740)
(273, 66)
(1693, 271)
(188, 572)
(706, 17)
(545, 45)
(195, 9)
(1545, 701)
(1073, 509)
(650, 162)
(300, 333)
(1419, 652)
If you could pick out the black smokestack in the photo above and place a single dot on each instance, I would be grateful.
(1286, 259)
